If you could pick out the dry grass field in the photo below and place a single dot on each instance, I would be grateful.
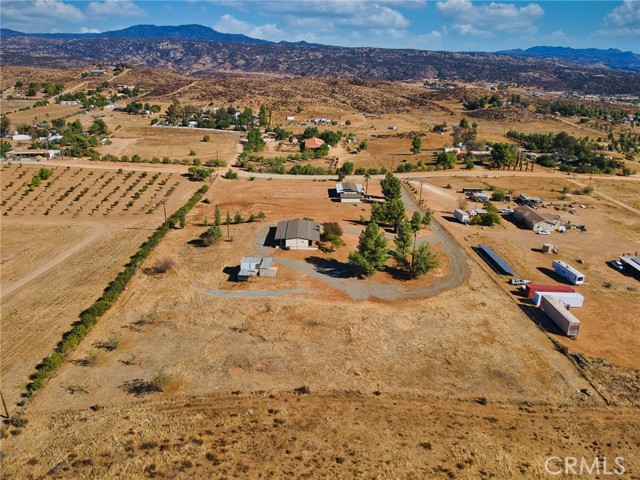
(312, 373)
(61, 244)
(320, 436)
(611, 298)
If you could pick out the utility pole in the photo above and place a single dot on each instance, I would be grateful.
(164, 206)
(420, 201)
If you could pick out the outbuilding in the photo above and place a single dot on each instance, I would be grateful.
(350, 192)
(298, 234)
(461, 215)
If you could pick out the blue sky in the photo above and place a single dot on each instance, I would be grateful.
(457, 25)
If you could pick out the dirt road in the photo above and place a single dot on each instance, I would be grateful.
(100, 229)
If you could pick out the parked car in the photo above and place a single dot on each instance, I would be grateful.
(618, 265)
(506, 210)
(544, 232)
(519, 281)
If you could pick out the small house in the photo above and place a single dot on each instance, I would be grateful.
(349, 192)
(298, 234)
(536, 221)
(313, 143)
(290, 118)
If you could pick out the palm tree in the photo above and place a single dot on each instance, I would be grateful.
(367, 177)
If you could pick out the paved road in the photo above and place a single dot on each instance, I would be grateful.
(253, 293)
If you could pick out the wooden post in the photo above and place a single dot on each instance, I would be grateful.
(4, 405)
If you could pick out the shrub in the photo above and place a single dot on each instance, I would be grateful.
(160, 379)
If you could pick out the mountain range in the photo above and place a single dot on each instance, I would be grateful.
(183, 32)
(201, 51)
(612, 57)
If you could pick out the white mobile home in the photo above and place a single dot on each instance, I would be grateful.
(461, 215)
(567, 272)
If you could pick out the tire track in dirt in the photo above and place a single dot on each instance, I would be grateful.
(7, 290)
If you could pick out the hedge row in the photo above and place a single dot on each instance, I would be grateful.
(90, 316)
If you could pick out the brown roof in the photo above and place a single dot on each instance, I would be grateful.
(298, 228)
(535, 217)
(313, 142)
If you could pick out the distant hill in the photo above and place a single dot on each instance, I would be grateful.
(612, 58)
(183, 32)
(201, 51)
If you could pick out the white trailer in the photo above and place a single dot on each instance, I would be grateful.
(461, 215)
(567, 272)
(560, 314)
(573, 300)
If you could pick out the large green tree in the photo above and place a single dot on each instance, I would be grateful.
(403, 244)
(503, 154)
(416, 145)
(424, 260)
(5, 125)
(391, 187)
(371, 254)
(332, 235)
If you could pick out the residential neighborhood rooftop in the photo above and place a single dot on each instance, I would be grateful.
(298, 228)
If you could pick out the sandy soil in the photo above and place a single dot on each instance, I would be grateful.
(611, 231)
(323, 339)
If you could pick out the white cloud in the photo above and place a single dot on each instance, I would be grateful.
(623, 20)
(377, 16)
(114, 8)
(229, 24)
(35, 15)
(484, 19)
(89, 30)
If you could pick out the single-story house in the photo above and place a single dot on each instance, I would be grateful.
(33, 153)
(524, 199)
(536, 221)
(349, 192)
(298, 234)
(97, 72)
(256, 266)
(21, 137)
(313, 143)
(290, 118)
(69, 102)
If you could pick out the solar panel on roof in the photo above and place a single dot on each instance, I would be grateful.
(495, 258)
